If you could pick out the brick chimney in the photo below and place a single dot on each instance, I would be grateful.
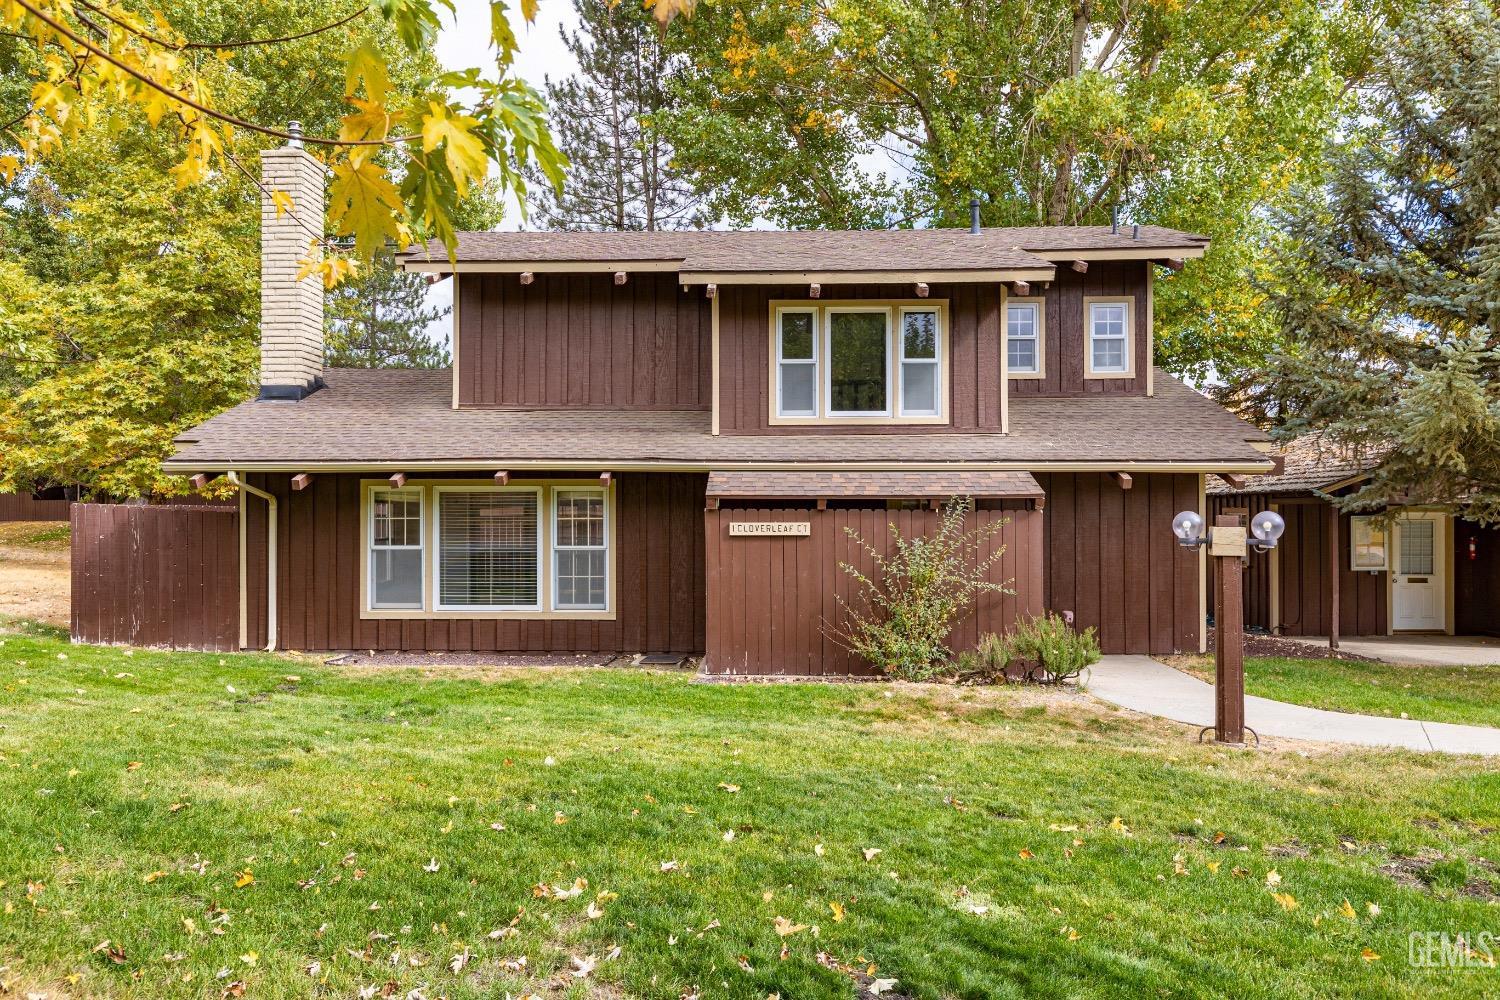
(291, 311)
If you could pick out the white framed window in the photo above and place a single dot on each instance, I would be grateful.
(580, 550)
(921, 372)
(797, 362)
(857, 380)
(1110, 322)
(1023, 337)
(488, 548)
(396, 566)
(1368, 551)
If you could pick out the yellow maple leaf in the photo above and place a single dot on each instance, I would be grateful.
(364, 203)
(365, 65)
(462, 149)
(838, 911)
(283, 203)
(1287, 901)
(1347, 911)
(9, 167)
(154, 876)
(370, 120)
(244, 878)
(1369, 955)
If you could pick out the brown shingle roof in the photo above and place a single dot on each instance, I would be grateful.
(925, 485)
(810, 250)
(1310, 463)
(393, 418)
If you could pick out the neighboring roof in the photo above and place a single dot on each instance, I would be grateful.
(925, 485)
(395, 419)
(1310, 463)
(698, 254)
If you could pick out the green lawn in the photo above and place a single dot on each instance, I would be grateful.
(142, 792)
(1434, 694)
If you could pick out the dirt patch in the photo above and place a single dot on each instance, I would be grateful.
(1261, 644)
(1430, 869)
(35, 572)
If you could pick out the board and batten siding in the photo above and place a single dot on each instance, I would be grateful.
(659, 562)
(580, 340)
(745, 388)
(1112, 561)
(770, 596)
(1065, 332)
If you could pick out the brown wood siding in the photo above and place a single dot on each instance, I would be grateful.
(25, 507)
(1066, 337)
(658, 554)
(580, 340)
(745, 388)
(1302, 572)
(1476, 581)
(769, 597)
(155, 576)
(1111, 560)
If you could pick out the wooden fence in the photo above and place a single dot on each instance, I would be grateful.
(770, 597)
(25, 507)
(156, 576)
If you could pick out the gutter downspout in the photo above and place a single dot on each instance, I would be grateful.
(270, 563)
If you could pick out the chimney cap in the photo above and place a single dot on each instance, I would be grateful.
(294, 132)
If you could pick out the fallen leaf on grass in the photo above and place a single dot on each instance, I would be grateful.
(432, 865)
(1119, 826)
(669, 866)
(880, 986)
(559, 818)
(1369, 955)
(582, 967)
(594, 912)
(838, 911)
(1287, 901)
(1025, 854)
(459, 961)
(744, 963)
(870, 852)
(731, 789)
(1347, 912)
(153, 876)
(1273, 877)
(244, 878)
(818, 850)
(133, 766)
(785, 928)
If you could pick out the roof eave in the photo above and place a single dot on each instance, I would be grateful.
(934, 276)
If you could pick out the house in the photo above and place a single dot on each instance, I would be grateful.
(655, 442)
(1420, 569)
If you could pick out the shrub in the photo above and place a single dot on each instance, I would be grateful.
(1055, 652)
(987, 662)
(903, 611)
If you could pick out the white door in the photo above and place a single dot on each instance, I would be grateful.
(1417, 588)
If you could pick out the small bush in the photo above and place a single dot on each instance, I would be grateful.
(904, 609)
(1054, 650)
(987, 663)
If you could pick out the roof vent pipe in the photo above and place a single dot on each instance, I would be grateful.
(1114, 220)
(1135, 231)
(974, 216)
(294, 134)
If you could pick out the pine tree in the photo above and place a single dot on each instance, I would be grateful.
(380, 320)
(1389, 276)
(622, 175)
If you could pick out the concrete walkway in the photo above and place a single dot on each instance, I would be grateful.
(1145, 685)
(1420, 650)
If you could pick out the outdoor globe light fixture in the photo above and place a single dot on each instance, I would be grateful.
(1267, 527)
(1188, 527)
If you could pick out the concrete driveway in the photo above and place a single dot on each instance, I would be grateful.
(1144, 685)
(1420, 650)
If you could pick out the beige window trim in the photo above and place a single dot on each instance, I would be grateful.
(1041, 336)
(893, 309)
(545, 490)
(1089, 301)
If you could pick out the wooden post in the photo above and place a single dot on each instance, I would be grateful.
(1333, 577)
(1229, 650)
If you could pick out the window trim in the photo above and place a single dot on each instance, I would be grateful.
(369, 546)
(900, 361)
(430, 610)
(554, 601)
(1041, 335)
(815, 361)
(892, 415)
(1089, 301)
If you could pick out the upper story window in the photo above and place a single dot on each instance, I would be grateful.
(860, 361)
(1111, 336)
(1023, 338)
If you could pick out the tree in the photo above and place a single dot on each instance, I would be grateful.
(380, 320)
(128, 304)
(402, 159)
(1388, 276)
(622, 174)
(1190, 115)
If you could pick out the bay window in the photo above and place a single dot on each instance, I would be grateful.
(1109, 336)
(858, 361)
(456, 549)
(1023, 338)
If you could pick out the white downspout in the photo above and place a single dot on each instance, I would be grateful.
(270, 559)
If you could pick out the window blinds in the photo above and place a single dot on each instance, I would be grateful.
(488, 550)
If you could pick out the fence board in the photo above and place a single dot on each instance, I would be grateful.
(156, 576)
